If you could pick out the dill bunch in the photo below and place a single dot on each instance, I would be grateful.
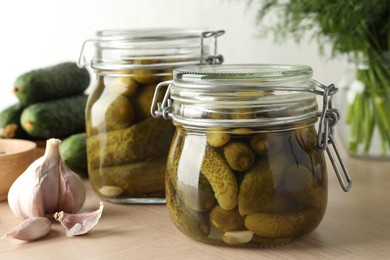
(359, 28)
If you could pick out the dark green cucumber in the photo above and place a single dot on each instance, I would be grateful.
(74, 152)
(10, 122)
(55, 119)
(54, 82)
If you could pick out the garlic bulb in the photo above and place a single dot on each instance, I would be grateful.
(47, 186)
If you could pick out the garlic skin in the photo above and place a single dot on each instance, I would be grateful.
(81, 223)
(31, 229)
(47, 186)
(72, 191)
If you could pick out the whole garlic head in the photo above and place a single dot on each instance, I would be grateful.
(47, 186)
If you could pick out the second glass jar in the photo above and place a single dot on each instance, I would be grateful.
(126, 146)
(246, 166)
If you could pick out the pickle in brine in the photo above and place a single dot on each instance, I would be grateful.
(281, 225)
(145, 76)
(143, 101)
(226, 220)
(266, 144)
(216, 137)
(303, 186)
(239, 156)
(198, 196)
(123, 85)
(221, 178)
(256, 187)
(146, 139)
(193, 223)
(136, 178)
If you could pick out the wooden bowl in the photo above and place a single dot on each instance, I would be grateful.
(15, 156)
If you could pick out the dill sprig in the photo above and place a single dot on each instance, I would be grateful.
(360, 28)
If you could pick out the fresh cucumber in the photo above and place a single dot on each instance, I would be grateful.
(54, 82)
(10, 122)
(74, 152)
(55, 119)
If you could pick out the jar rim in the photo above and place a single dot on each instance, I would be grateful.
(151, 48)
(244, 73)
(137, 34)
(245, 94)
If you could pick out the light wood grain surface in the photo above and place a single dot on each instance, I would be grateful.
(356, 226)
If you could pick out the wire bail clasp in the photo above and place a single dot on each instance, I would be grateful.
(163, 108)
(329, 117)
(214, 58)
(82, 60)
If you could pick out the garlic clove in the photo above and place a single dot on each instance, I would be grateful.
(81, 223)
(72, 190)
(111, 191)
(31, 229)
(237, 237)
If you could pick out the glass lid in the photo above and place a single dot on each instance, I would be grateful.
(244, 73)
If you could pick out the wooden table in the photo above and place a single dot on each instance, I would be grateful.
(356, 226)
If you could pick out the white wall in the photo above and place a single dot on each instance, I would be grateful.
(44, 32)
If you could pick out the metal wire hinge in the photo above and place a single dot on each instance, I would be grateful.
(215, 58)
(325, 140)
(82, 61)
(162, 108)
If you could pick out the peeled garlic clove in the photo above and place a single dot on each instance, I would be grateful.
(237, 237)
(36, 191)
(31, 229)
(110, 191)
(72, 191)
(81, 223)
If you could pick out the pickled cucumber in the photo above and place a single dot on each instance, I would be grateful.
(133, 178)
(256, 187)
(143, 101)
(125, 86)
(266, 144)
(174, 157)
(195, 191)
(226, 220)
(242, 131)
(239, 156)
(217, 138)
(304, 188)
(146, 139)
(193, 223)
(199, 196)
(306, 137)
(112, 112)
(145, 76)
(278, 203)
(281, 225)
(221, 178)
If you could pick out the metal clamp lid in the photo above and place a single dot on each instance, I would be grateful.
(204, 57)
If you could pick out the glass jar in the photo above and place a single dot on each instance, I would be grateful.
(365, 100)
(246, 165)
(126, 146)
